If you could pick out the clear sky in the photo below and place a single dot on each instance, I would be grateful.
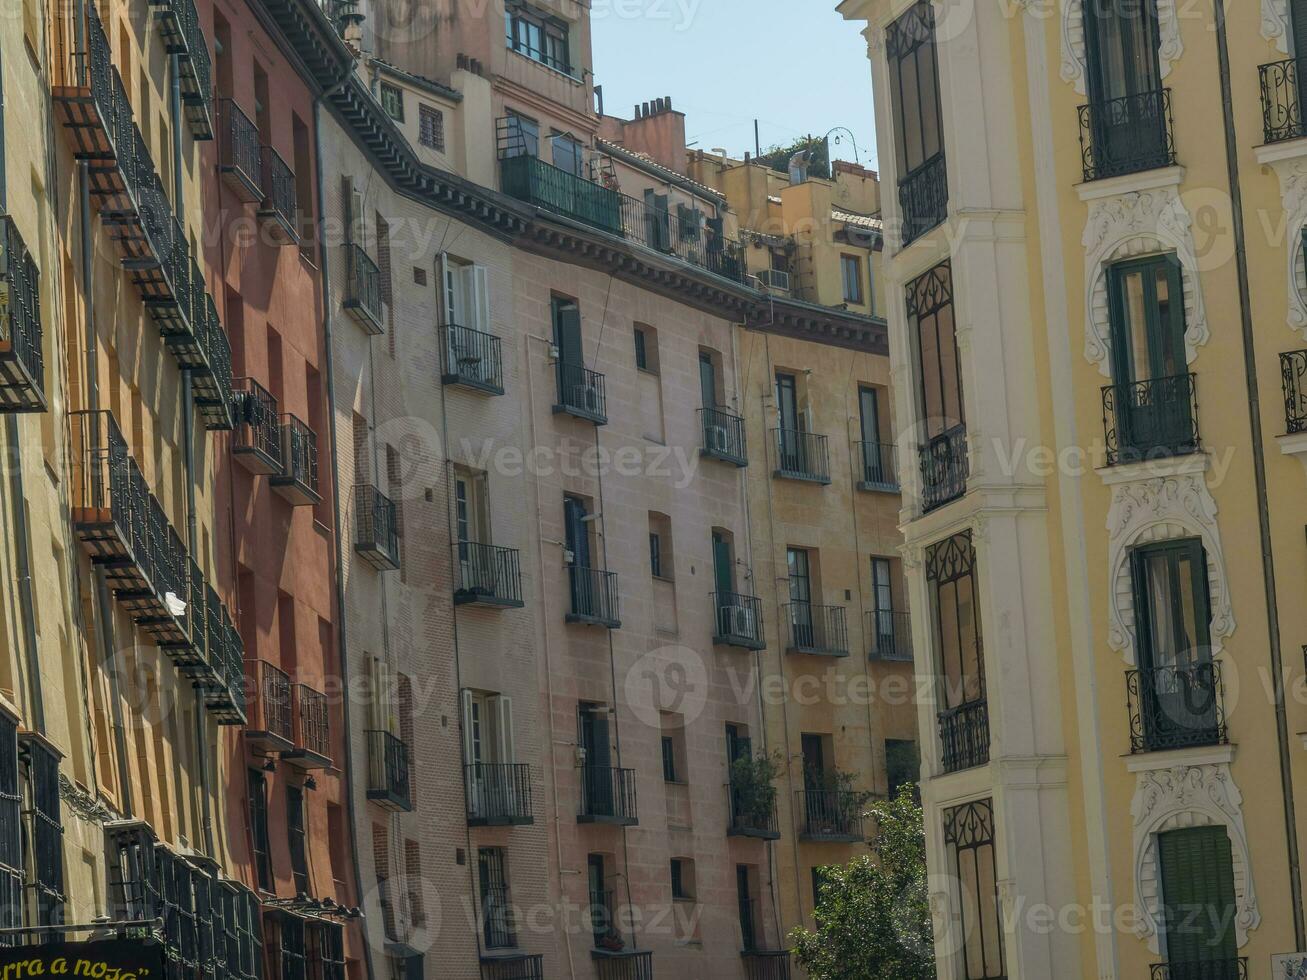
(795, 65)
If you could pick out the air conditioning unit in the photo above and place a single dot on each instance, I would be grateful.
(718, 440)
(743, 621)
(588, 398)
(775, 279)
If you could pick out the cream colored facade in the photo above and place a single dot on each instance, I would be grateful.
(1098, 745)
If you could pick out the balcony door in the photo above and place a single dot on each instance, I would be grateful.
(488, 745)
(1177, 681)
(707, 381)
(1198, 902)
(791, 422)
(495, 909)
(882, 598)
(1153, 395)
(577, 538)
(964, 716)
(800, 574)
(873, 456)
(472, 524)
(597, 771)
(1126, 104)
(600, 915)
(748, 918)
(571, 356)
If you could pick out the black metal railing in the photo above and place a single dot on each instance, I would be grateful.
(753, 813)
(594, 596)
(1152, 419)
(723, 436)
(604, 923)
(607, 795)
(889, 635)
(526, 967)
(272, 707)
(22, 361)
(817, 629)
(801, 455)
(738, 620)
(1175, 707)
(945, 467)
(829, 814)
(683, 234)
(472, 358)
(256, 438)
(312, 722)
(923, 198)
(362, 297)
(498, 924)
(1293, 380)
(770, 964)
(582, 392)
(498, 793)
(880, 469)
(964, 736)
(1281, 101)
(488, 575)
(1126, 135)
(1236, 969)
(628, 965)
(239, 153)
(388, 771)
(298, 479)
(278, 188)
(183, 36)
(376, 528)
(530, 179)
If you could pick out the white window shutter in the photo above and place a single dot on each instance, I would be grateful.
(505, 719)
(467, 726)
(480, 298)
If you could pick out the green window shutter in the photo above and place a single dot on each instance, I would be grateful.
(1198, 901)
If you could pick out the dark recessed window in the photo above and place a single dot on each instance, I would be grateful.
(392, 101)
(431, 128)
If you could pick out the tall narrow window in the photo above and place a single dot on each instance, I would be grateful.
(851, 273)
(11, 833)
(918, 132)
(295, 836)
(431, 128)
(1198, 900)
(943, 444)
(496, 910)
(258, 793)
(969, 837)
(964, 718)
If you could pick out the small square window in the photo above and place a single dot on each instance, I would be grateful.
(392, 101)
(682, 873)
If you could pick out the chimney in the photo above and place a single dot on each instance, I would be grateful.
(658, 131)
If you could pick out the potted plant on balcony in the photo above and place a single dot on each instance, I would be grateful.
(753, 790)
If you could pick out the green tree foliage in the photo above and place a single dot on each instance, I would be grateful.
(873, 915)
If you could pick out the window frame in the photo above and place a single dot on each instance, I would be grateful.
(431, 114)
(260, 849)
(854, 262)
(391, 97)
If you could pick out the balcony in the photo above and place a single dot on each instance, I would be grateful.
(632, 964)
(773, 964)
(84, 87)
(179, 28)
(524, 967)
(220, 674)
(376, 528)
(240, 158)
(753, 811)
(944, 468)
(607, 796)
(22, 360)
(819, 630)
(1154, 419)
(683, 235)
(498, 794)
(388, 776)
(473, 359)
(256, 437)
(738, 621)
(723, 436)
(278, 209)
(208, 352)
(1176, 707)
(311, 731)
(498, 917)
(270, 725)
(581, 393)
(594, 597)
(543, 185)
(1201, 970)
(1293, 379)
(880, 468)
(298, 479)
(923, 198)
(1281, 101)
(889, 636)
(488, 576)
(801, 456)
(1126, 135)
(964, 734)
(362, 299)
(829, 815)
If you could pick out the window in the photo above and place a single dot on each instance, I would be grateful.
(682, 873)
(487, 728)
(295, 835)
(818, 883)
(496, 909)
(1198, 898)
(918, 134)
(471, 511)
(673, 747)
(964, 720)
(902, 764)
(669, 759)
(431, 127)
(661, 565)
(969, 838)
(43, 834)
(931, 322)
(641, 351)
(392, 101)
(748, 905)
(568, 153)
(538, 36)
(645, 339)
(851, 269)
(521, 135)
(258, 792)
(655, 554)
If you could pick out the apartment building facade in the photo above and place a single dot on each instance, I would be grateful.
(1094, 281)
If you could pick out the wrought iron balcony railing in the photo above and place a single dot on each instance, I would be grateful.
(1293, 380)
(183, 36)
(376, 528)
(1126, 135)
(684, 235)
(771, 964)
(536, 182)
(738, 620)
(1281, 101)
(473, 359)
(311, 730)
(84, 93)
(488, 575)
(594, 597)
(498, 794)
(1153, 419)
(945, 467)
(519, 967)
(271, 708)
(298, 479)
(880, 469)
(388, 771)
(964, 736)
(582, 393)
(829, 814)
(723, 436)
(627, 964)
(817, 629)
(240, 159)
(362, 299)
(278, 209)
(923, 198)
(1236, 969)
(22, 361)
(1176, 707)
(498, 922)
(256, 437)
(889, 636)
(607, 796)
(753, 813)
(801, 455)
